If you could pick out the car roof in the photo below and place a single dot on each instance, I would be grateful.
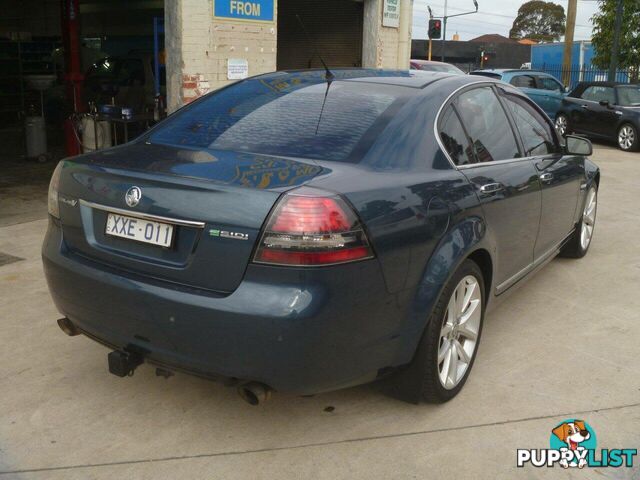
(402, 78)
(501, 71)
(429, 62)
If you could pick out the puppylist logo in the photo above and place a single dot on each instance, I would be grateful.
(573, 444)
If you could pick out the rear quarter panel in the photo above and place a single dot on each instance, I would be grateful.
(422, 215)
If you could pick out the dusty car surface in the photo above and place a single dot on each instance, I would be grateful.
(308, 231)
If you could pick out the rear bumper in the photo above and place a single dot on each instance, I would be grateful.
(297, 330)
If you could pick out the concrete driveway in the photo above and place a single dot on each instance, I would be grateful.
(565, 345)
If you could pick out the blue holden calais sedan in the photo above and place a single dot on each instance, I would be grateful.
(307, 231)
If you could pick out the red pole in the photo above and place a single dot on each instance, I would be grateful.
(70, 16)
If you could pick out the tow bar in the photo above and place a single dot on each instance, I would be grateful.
(123, 363)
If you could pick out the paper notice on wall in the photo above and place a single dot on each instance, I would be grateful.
(391, 13)
(237, 68)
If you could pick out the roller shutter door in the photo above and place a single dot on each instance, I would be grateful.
(335, 25)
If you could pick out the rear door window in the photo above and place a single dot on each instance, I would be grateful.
(629, 95)
(487, 125)
(536, 132)
(454, 138)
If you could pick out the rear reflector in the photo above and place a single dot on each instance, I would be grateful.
(309, 228)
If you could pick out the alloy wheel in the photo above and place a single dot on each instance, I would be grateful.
(459, 332)
(588, 219)
(626, 137)
(561, 125)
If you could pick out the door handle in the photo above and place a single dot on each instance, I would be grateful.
(490, 188)
(584, 106)
(546, 177)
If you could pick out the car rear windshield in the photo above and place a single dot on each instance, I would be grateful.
(290, 117)
(629, 95)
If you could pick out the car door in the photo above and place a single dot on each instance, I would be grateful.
(507, 185)
(553, 93)
(572, 107)
(600, 120)
(560, 175)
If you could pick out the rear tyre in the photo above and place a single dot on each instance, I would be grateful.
(449, 344)
(628, 138)
(562, 124)
(579, 243)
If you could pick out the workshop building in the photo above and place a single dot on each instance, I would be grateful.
(212, 43)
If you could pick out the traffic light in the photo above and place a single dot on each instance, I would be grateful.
(485, 57)
(435, 29)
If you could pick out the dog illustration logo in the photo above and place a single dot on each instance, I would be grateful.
(572, 443)
(576, 436)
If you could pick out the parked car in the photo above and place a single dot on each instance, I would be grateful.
(603, 110)
(542, 88)
(303, 232)
(433, 66)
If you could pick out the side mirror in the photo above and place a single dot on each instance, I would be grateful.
(604, 103)
(578, 145)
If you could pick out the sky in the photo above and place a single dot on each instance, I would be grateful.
(494, 16)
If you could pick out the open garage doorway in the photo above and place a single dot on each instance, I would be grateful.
(334, 25)
(57, 56)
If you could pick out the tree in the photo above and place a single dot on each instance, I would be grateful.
(603, 21)
(539, 20)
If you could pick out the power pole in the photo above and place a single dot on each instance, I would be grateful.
(446, 17)
(430, 41)
(568, 42)
(613, 64)
(444, 29)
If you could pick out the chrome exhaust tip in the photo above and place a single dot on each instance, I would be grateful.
(68, 327)
(254, 393)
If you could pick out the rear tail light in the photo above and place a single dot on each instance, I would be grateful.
(310, 228)
(52, 200)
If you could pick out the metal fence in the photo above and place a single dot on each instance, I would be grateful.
(587, 73)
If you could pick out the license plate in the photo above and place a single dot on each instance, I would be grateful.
(139, 229)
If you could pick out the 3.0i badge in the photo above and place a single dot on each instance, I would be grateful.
(214, 232)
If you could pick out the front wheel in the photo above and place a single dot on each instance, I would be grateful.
(628, 138)
(450, 341)
(579, 243)
(562, 124)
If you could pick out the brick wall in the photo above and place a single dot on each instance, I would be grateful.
(381, 45)
(207, 44)
(199, 46)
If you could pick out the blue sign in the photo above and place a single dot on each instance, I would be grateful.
(256, 10)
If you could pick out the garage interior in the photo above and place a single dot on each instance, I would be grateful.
(48, 60)
(80, 75)
(335, 26)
